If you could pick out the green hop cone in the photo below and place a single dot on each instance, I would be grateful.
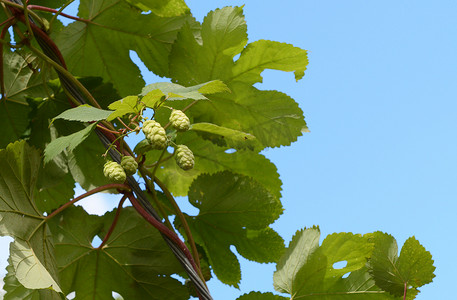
(129, 165)
(184, 157)
(114, 172)
(155, 134)
(179, 120)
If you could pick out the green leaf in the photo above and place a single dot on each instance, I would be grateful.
(84, 113)
(29, 271)
(263, 54)
(13, 121)
(101, 47)
(69, 142)
(213, 87)
(21, 78)
(163, 8)
(272, 117)
(260, 296)
(127, 105)
(19, 167)
(86, 163)
(179, 92)
(223, 35)
(414, 267)
(210, 158)
(152, 98)
(303, 244)
(233, 138)
(308, 270)
(263, 246)
(55, 185)
(15, 290)
(135, 262)
(231, 207)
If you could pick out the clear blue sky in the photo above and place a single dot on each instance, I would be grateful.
(379, 97)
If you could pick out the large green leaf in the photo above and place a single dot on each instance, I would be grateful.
(101, 47)
(223, 36)
(15, 290)
(234, 210)
(20, 218)
(135, 262)
(308, 270)
(413, 268)
(210, 158)
(272, 117)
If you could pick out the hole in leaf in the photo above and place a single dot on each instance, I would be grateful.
(147, 75)
(340, 264)
(71, 295)
(117, 296)
(170, 149)
(96, 241)
(230, 151)
(236, 57)
(346, 275)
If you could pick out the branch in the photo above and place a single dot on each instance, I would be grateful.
(113, 225)
(181, 217)
(162, 228)
(91, 192)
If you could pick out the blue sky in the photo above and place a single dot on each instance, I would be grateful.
(379, 97)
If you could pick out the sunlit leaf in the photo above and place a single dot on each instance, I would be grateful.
(69, 142)
(19, 167)
(29, 271)
(413, 268)
(84, 113)
(308, 270)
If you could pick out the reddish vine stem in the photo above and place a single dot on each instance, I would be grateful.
(113, 225)
(181, 217)
(91, 192)
(161, 227)
(47, 9)
(106, 129)
(405, 291)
